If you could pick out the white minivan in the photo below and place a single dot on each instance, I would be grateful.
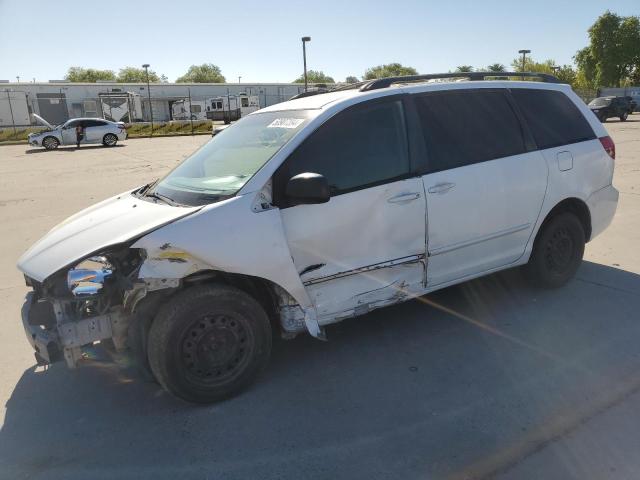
(318, 209)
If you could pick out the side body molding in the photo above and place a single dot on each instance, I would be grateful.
(227, 236)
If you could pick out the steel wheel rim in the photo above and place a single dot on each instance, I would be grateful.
(560, 251)
(214, 349)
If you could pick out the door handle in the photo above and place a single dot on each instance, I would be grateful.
(404, 197)
(441, 187)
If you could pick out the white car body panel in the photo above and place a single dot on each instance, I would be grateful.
(230, 237)
(112, 221)
(471, 228)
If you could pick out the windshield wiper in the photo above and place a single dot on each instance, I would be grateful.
(164, 198)
(147, 187)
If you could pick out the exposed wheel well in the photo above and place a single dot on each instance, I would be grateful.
(578, 208)
(260, 289)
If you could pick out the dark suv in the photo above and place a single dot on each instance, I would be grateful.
(607, 107)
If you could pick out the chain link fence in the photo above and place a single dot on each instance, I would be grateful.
(161, 113)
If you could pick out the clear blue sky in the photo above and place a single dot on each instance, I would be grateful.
(260, 40)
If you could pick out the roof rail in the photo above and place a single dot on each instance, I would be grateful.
(387, 82)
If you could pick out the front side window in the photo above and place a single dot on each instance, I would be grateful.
(553, 118)
(463, 127)
(222, 166)
(362, 146)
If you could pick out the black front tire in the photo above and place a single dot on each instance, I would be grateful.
(209, 342)
(557, 252)
(623, 117)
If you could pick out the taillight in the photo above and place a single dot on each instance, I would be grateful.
(608, 146)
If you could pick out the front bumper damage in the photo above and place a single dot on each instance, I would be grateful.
(55, 336)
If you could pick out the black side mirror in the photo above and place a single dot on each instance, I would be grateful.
(307, 188)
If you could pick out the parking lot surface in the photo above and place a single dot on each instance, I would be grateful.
(489, 379)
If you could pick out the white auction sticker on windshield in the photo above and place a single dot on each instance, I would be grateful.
(286, 123)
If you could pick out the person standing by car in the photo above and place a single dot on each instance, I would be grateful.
(79, 134)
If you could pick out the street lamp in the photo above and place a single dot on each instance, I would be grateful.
(304, 59)
(18, 78)
(146, 71)
(239, 78)
(524, 58)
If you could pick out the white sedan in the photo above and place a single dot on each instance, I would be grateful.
(96, 130)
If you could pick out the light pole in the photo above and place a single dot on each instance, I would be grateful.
(239, 79)
(13, 122)
(304, 59)
(146, 71)
(524, 58)
(18, 78)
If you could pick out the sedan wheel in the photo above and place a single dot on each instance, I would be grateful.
(110, 140)
(50, 143)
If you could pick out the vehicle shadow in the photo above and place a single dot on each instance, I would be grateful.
(424, 389)
(71, 148)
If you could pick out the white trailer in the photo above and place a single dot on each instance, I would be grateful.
(231, 107)
(121, 106)
(182, 110)
(14, 109)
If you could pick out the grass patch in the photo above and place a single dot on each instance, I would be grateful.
(21, 133)
(169, 128)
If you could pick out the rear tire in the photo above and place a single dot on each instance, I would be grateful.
(557, 252)
(109, 140)
(50, 143)
(209, 342)
(623, 117)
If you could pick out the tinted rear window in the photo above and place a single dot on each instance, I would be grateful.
(554, 120)
(468, 126)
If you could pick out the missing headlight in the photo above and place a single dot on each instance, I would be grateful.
(87, 277)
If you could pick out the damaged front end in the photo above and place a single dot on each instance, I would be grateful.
(81, 305)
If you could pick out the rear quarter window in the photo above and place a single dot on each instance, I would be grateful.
(463, 127)
(552, 117)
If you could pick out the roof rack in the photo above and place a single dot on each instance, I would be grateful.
(387, 82)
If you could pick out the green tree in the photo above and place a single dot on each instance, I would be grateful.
(496, 67)
(351, 79)
(388, 70)
(565, 73)
(80, 74)
(205, 73)
(464, 68)
(136, 75)
(315, 76)
(612, 57)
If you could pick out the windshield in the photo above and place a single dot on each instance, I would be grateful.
(600, 102)
(221, 167)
